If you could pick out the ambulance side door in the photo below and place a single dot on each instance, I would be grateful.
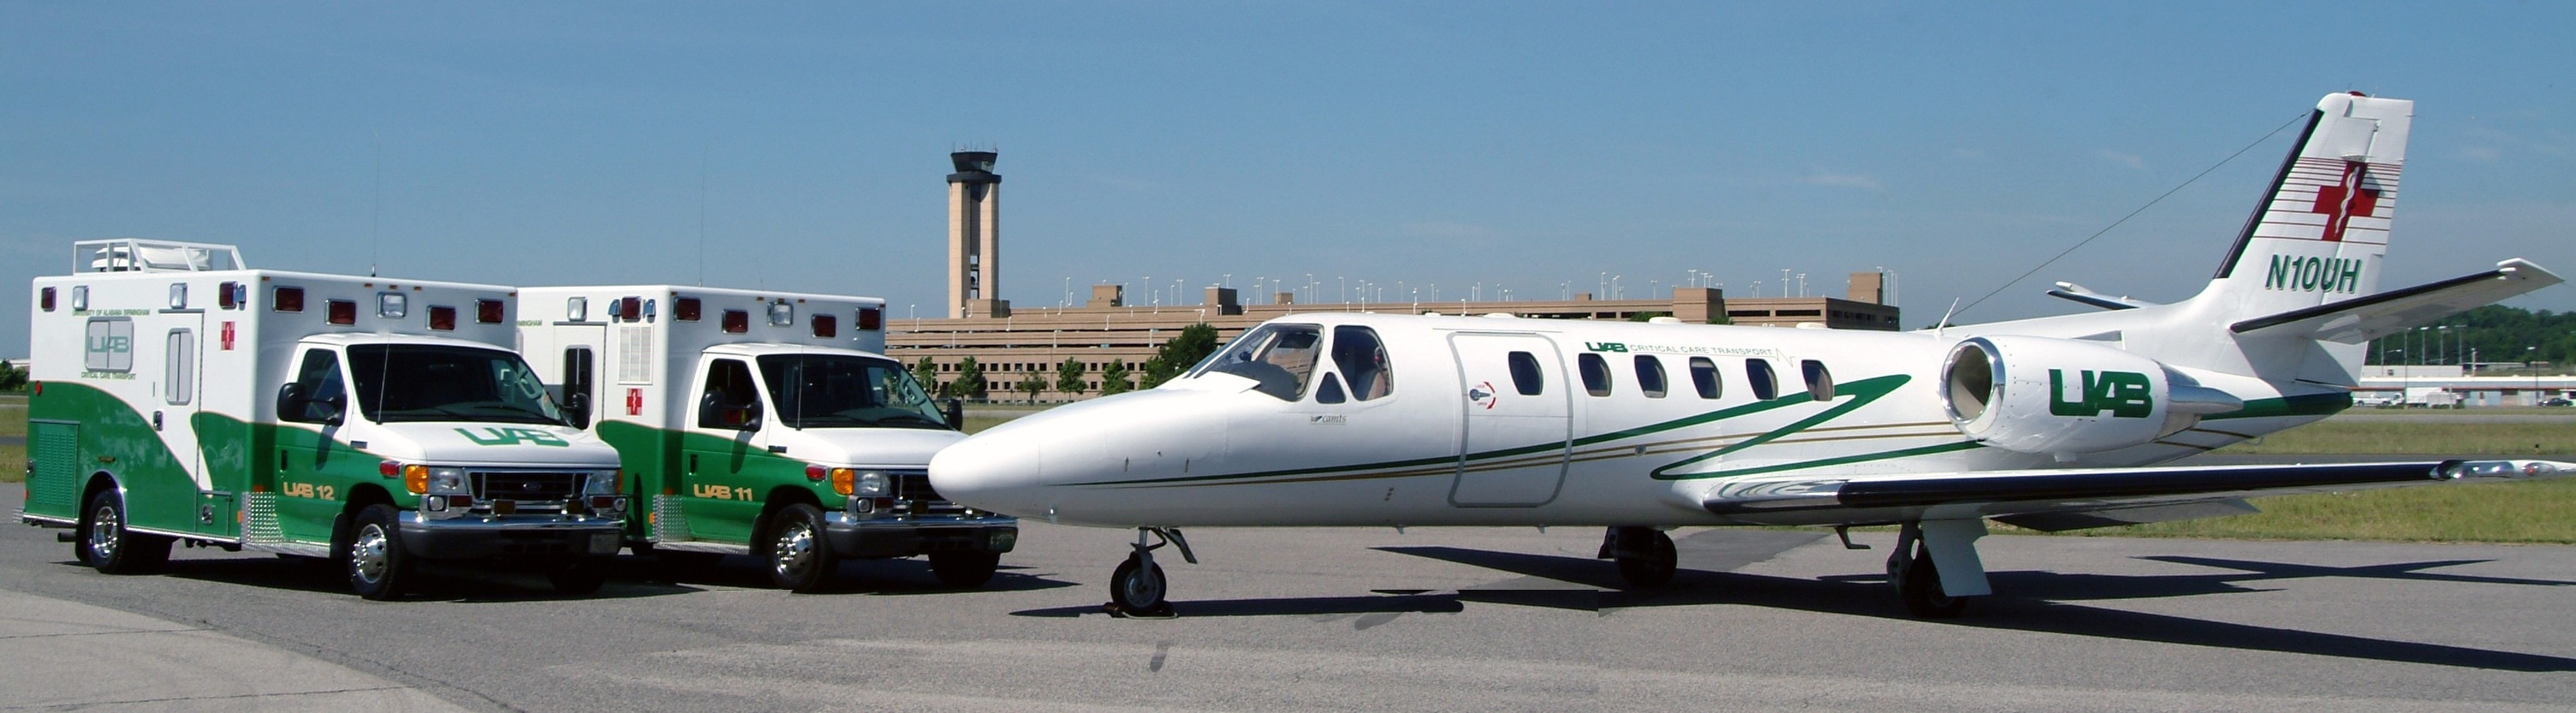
(310, 410)
(723, 443)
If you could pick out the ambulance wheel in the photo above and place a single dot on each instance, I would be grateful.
(1653, 566)
(579, 576)
(800, 559)
(1920, 586)
(378, 566)
(1137, 588)
(106, 543)
(964, 569)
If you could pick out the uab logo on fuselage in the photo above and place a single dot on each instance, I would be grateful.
(2313, 274)
(1606, 347)
(514, 436)
(2126, 394)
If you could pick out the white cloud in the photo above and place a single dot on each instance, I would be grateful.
(1844, 180)
(2124, 159)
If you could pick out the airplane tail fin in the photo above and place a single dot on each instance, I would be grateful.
(2321, 232)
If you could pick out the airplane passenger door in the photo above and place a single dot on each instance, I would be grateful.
(1512, 445)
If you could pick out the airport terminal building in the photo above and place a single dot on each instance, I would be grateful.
(1010, 344)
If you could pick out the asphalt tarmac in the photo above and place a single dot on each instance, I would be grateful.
(1330, 619)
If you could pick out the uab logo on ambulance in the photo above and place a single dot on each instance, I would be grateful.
(2126, 394)
(513, 436)
(2313, 274)
(106, 344)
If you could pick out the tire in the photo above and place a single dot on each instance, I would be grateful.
(376, 565)
(579, 576)
(799, 558)
(964, 569)
(1137, 589)
(1654, 565)
(105, 543)
(1921, 590)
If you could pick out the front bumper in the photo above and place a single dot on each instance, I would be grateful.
(482, 537)
(908, 536)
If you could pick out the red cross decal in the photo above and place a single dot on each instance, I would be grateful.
(634, 402)
(2348, 199)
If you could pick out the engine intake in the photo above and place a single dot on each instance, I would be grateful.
(2044, 395)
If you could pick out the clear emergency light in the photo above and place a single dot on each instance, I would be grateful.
(392, 305)
(781, 314)
(577, 309)
(178, 295)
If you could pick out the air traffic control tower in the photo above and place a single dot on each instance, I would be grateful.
(975, 237)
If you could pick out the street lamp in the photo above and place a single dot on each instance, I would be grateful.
(2531, 362)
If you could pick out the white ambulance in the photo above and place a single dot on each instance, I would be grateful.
(760, 423)
(180, 396)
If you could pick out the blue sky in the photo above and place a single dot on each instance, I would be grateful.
(1534, 147)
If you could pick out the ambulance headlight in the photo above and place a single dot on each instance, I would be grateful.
(871, 484)
(600, 482)
(448, 481)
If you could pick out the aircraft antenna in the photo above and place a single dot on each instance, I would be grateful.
(376, 208)
(2132, 214)
(1945, 318)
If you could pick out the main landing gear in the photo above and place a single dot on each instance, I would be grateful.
(1645, 555)
(1136, 587)
(1924, 550)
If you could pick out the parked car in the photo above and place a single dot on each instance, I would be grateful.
(2560, 401)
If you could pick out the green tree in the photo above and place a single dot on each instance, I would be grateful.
(1647, 316)
(1114, 378)
(928, 374)
(1184, 350)
(12, 378)
(970, 380)
(1031, 383)
(1069, 377)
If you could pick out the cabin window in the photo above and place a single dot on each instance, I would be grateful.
(1280, 357)
(1820, 383)
(1526, 378)
(318, 379)
(730, 400)
(1650, 376)
(180, 382)
(1362, 360)
(1596, 374)
(1330, 392)
(579, 363)
(1704, 377)
(1758, 374)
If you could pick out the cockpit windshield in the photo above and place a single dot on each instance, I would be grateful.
(1279, 357)
(847, 391)
(416, 382)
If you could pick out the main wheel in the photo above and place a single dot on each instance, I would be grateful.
(579, 576)
(1650, 566)
(1137, 588)
(378, 566)
(800, 559)
(104, 541)
(964, 569)
(1920, 587)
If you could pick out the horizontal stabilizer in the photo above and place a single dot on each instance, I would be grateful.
(2077, 293)
(2362, 319)
(2105, 495)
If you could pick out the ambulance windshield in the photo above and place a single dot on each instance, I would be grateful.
(414, 382)
(846, 391)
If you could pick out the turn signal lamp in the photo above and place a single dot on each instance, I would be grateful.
(416, 478)
(844, 480)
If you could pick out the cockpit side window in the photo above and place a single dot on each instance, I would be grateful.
(1279, 357)
(1362, 360)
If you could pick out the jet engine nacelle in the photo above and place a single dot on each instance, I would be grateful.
(2044, 395)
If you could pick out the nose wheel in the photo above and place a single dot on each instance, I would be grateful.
(1645, 555)
(1136, 588)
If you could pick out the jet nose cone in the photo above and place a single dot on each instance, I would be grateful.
(995, 470)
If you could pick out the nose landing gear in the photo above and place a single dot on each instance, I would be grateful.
(1136, 588)
(1645, 555)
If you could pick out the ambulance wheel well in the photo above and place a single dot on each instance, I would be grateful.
(779, 498)
(364, 495)
(101, 480)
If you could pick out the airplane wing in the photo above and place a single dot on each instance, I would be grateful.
(2368, 317)
(2076, 498)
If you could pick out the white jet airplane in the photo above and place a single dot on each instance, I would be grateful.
(2055, 423)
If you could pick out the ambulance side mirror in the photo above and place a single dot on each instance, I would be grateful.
(956, 414)
(295, 405)
(577, 410)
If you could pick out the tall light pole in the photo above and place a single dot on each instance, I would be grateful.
(2531, 362)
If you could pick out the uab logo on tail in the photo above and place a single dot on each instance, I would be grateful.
(513, 436)
(2126, 394)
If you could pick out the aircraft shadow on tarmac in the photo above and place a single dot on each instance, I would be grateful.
(882, 577)
(2028, 608)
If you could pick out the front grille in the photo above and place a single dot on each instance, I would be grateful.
(913, 487)
(524, 485)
